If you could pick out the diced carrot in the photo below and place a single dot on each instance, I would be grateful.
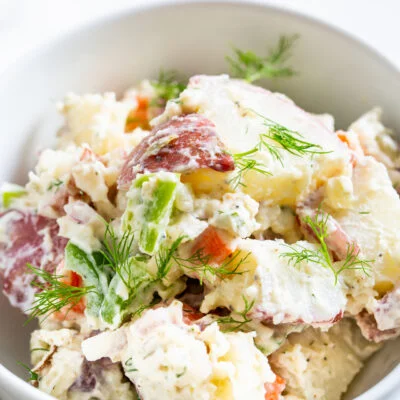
(212, 244)
(353, 144)
(274, 389)
(73, 279)
(140, 116)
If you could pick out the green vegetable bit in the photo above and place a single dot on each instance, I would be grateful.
(251, 67)
(149, 209)
(167, 87)
(319, 226)
(11, 192)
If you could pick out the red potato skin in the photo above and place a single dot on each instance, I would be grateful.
(369, 328)
(337, 241)
(190, 314)
(26, 244)
(260, 314)
(182, 144)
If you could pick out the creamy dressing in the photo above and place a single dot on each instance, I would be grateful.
(287, 312)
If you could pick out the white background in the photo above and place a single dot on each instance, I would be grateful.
(25, 24)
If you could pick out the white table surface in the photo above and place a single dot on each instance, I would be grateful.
(26, 24)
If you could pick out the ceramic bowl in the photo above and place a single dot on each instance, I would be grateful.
(336, 74)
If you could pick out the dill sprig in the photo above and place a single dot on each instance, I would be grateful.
(118, 253)
(322, 256)
(276, 139)
(167, 87)
(352, 262)
(243, 164)
(33, 376)
(54, 294)
(56, 183)
(249, 66)
(233, 323)
(286, 139)
(200, 263)
(164, 258)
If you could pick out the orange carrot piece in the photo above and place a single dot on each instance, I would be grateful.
(212, 244)
(274, 389)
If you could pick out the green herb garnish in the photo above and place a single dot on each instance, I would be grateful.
(276, 139)
(322, 256)
(33, 376)
(54, 294)
(56, 183)
(200, 263)
(285, 139)
(129, 364)
(249, 66)
(164, 258)
(245, 163)
(233, 323)
(118, 253)
(167, 87)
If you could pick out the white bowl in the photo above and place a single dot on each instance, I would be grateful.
(337, 74)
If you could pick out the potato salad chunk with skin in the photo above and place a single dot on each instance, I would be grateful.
(205, 241)
(166, 357)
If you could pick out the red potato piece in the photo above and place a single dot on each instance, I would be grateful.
(31, 238)
(182, 144)
(384, 321)
(369, 328)
(387, 310)
(274, 389)
(260, 314)
(337, 241)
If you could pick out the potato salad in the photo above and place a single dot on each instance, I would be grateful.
(208, 241)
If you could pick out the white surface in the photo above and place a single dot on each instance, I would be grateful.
(24, 24)
(32, 87)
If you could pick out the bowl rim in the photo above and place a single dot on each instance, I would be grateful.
(7, 378)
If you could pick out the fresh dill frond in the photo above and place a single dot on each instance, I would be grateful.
(200, 263)
(299, 254)
(143, 307)
(352, 262)
(243, 164)
(33, 376)
(56, 183)
(167, 87)
(285, 139)
(234, 323)
(164, 257)
(249, 66)
(118, 253)
(319, 226)
(278, 138)
(54, 294)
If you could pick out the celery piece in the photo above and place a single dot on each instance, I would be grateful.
(148, 213)
(85, 265)
(127, 285)
(10, 192)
